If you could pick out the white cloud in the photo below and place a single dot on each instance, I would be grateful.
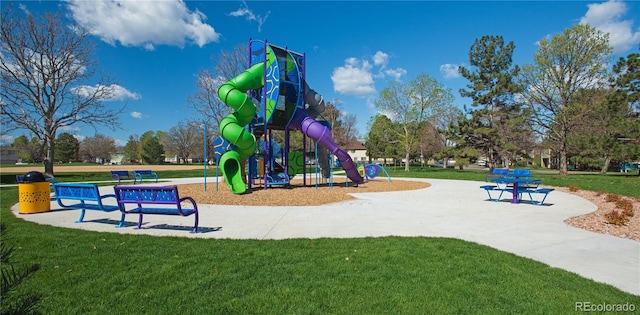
(391, 115)
(121, 143)
(449, 71)
(6, 139)
(115, 91)
(24, 8)
(121, 93)
(249, 15)
(354, 78)
(357, 76)
(395, 73)
(138, 115)
(381, 59)
(143, 23)
(79, 137)
(69, 129)
(608, 17)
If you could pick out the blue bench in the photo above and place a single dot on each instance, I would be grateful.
(88, 195)
(140, 174)
(543, 191)
(495, 188)
(120, 175)
(154, 200)
(530, 191)
(496, 173)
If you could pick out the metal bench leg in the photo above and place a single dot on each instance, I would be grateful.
(139, 222)
(121, 224)
(543, 199)
(490, 197)
(495, 199)
(81, 216)
(195, 226)
(533, 201)
(81, 213)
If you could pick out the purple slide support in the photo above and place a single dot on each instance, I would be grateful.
(314, 129)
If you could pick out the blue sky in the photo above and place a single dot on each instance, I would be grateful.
(154, 49)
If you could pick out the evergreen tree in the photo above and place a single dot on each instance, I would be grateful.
(497, 120)
(67, 148)
(626, 83)
(132, 150)
(152, 150)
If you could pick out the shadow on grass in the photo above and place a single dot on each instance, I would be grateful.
(115, 223)
(145, 226)
(183, 228)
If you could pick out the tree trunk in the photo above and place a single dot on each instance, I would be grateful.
(605, 167)
(406, 163)
(48, 160)
(563, 159)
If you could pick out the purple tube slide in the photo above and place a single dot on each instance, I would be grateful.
(315, 130)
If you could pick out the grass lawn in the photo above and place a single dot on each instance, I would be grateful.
(83, 272)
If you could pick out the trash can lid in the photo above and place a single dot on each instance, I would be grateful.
(33, 177)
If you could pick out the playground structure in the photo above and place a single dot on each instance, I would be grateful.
(272, 94)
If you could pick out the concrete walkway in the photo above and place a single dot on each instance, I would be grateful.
(449, 208)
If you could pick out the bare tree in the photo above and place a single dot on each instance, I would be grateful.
(98, 148)
(343, 127)
(228, 64)
(45, 65)
(184, 139)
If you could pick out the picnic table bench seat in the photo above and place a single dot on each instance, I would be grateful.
(120, 175)
(542, 191)
(141, 174)
(525, 190)
(163, 200)
(88, 196)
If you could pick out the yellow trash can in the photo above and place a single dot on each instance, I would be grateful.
(35, 196)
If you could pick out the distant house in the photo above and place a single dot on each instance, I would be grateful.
(356, 151)
(116, 158)
(8, 155)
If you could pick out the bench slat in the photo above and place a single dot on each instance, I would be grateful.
(91, 206)
(167, 211)
(88, 195)
(154, 195)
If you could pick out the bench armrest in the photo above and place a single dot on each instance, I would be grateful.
(193, 202)
(61, 204)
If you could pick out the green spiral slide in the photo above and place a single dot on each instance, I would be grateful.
(234, 94)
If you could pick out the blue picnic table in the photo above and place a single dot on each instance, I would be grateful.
(517, 182)
(517, 185)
